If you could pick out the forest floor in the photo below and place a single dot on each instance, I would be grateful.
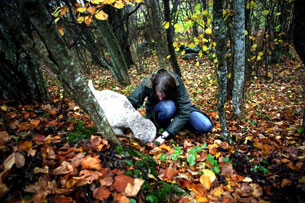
(52, 152)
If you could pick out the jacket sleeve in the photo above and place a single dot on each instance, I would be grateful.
(137, 97)
(183, 109)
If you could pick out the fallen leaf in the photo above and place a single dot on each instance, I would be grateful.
(101, 193)
(286, 182)
(210, 174)
(201, 199)
(199, 189)
(226, 169)
(216, 192)
(170, 173)
(106, 181)
(120, 198)
(257, 190)
(64, 168)
(9, 161)
(19, 160)
(132, 190)
(205, 180)
(45, 169)
(91, 163)
(121, 181)
(25, 145)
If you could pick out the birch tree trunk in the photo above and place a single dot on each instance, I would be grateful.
(220, 34)
(299, 34)
(169, 36)
(239, 56)
(65, 67)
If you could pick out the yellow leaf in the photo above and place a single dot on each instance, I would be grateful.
(265, 12)
(215, 60)
(204, 48)
(177, 27)
(81, 9)
(61, 30)
(91, 10)
(210, 174)
(246, 32)
(138, 1)
(192, 45)
(204, 40)
(96, 1)
(168, 56)
(261, 53)
(4, 108)
(205, 180)
(200, 53)
(183, 52)
(119, 4)
(208, 31)
(229, 75)
(259, 58)
(166, 25)
(101, 15)
(197, 63)
(80, 19)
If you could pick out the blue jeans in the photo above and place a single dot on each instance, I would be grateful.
(165, 110)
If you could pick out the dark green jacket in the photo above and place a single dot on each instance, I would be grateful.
(184, 106)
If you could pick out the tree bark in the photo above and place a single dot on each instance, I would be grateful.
(220, 34)
(299, 34)
(157, 29)
(239, 56)
(120, 68)
(20, 73)
(169, 37)
(65, 67)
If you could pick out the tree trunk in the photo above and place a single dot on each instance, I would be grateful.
(239, 56)
(157, 29)
(120, 69)
(21, 77)
(169, 36)
(65, 68)
(120, 27)
(299, 34)
(221, 47)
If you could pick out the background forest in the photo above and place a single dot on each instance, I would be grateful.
(242, 62)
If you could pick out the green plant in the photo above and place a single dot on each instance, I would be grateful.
(161, 191)
(214, 163)
(80, 132)
(177, 152)
(191, 159)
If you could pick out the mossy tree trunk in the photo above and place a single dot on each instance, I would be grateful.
(221, 48)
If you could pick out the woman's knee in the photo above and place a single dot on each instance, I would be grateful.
(165, 110)
(200, 122)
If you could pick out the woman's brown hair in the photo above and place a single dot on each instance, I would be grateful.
(163, 83)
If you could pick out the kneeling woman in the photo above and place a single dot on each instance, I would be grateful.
(168, 104)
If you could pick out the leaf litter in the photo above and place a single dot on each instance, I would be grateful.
(51, 152)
